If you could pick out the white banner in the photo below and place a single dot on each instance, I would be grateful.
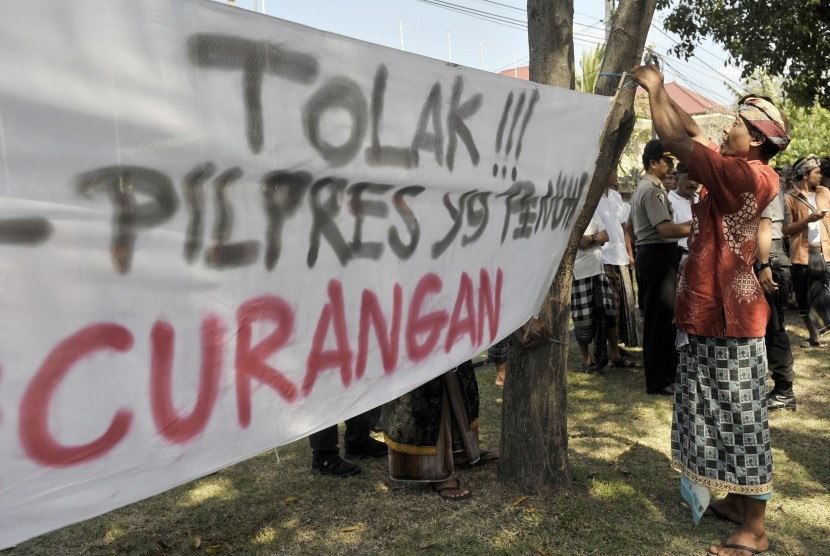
(220, 232)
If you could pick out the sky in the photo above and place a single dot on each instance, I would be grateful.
(439, 29)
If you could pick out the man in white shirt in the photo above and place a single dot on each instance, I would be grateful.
(682, 198)
(617, 261)
(592, 304)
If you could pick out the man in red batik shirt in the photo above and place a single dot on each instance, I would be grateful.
(720, 435)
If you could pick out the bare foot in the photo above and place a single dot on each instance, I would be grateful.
(723, 509)
(741, 543)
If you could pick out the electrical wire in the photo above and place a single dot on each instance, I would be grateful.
(578, 37)
(699, 89)
(508, 6)
(701, 60)
(699, 46)
(479, 14)
(677, 63)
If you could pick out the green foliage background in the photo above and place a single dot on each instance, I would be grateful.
(809, 126)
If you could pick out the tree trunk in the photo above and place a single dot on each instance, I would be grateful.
(534, 443)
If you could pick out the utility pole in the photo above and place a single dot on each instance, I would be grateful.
(609, 15)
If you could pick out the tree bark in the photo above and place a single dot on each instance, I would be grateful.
(550, 42)
(534, 443)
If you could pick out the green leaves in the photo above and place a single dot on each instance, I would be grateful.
(785, 38)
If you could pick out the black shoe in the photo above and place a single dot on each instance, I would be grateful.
(334, 466)
(664, 391)
(371, 449)
(781, 400)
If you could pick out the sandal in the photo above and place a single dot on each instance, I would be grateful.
(810, 343)
(590, 368)
(484, 457)
(453, 491)
(751, 550)
(624, 362)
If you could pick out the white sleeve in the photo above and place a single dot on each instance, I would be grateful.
(596, 225)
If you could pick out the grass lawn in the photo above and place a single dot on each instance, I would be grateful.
(623, 499)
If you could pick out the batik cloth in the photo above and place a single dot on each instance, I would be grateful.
(432, 426)
(622, 286)
(807, 164)
(765, 117)
(718, 294)
(720, 436)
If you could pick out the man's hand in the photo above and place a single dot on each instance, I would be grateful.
(816, 216)
(535, 332)
(768, 285)
(649, 77)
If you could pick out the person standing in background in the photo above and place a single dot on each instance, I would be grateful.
(774, 276)
(656, 261)
(809, 232)
(616, 261)
(682, 199)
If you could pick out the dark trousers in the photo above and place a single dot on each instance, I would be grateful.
(324, 443)
(656, 266)
(779, 351)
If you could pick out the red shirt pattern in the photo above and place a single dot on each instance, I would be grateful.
(718, 294)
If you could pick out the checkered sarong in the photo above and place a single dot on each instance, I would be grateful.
(583, 300)
(720, 435)
(499, 351)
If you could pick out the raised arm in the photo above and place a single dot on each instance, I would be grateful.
(668, 124)
(692, 129)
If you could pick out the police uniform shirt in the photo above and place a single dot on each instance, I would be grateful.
(650, 205)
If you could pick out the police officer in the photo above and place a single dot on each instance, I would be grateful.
(656, 262)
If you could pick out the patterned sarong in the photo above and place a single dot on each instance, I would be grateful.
(720, 435)
(588, 294)
(433, 425)
(623, 288)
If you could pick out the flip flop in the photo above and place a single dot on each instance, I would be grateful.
(590, 368)
(739, 547)
(447, 492)
(717, 514)
(624, 362)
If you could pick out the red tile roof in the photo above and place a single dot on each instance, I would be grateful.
(521, 73)
(690, 101)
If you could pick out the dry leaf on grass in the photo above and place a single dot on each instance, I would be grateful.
(196, 543)
(519, 500)
(350, 528)
(290, 500)
(214, 549)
